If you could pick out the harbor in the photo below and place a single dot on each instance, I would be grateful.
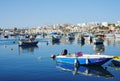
(59, 40)
(29, 63)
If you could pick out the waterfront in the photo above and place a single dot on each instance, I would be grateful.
(35, 64)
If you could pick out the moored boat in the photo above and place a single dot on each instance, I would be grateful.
(55, 39)
(70, 36)
(83, 59)
(98, 39)
(28, 42)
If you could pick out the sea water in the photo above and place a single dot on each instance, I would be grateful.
(34, 63)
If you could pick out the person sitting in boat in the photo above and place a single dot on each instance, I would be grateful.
(64, 52)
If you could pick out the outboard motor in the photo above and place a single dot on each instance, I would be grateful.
(53, 56)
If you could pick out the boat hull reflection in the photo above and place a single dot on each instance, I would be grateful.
(97, 71)
(98, 48)
(27, 49)
(115, 65)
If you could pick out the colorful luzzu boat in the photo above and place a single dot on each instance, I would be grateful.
(83, 59)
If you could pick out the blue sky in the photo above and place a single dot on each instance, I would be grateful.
(34, 13)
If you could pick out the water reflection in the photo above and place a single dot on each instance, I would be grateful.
(80, 43)
(27, 49)
(117, 41)
(99, 48)
(71, 41)
(8, 41)
(114, 65)
(55, 43)
(112, 41)
(97, 71)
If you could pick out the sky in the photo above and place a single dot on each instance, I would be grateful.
(36, 13)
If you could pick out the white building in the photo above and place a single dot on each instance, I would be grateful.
(118, 23)
(89, 24)
(106, 23)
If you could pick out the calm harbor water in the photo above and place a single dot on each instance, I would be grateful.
(34, 63)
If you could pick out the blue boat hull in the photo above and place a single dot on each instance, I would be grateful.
(84, 61)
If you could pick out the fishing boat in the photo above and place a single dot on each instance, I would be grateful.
(28, 42)
(55, 37)
(70, 36)
(97, 71)
(83, 59)
(98, 39)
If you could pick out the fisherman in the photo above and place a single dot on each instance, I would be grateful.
(64, 52)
